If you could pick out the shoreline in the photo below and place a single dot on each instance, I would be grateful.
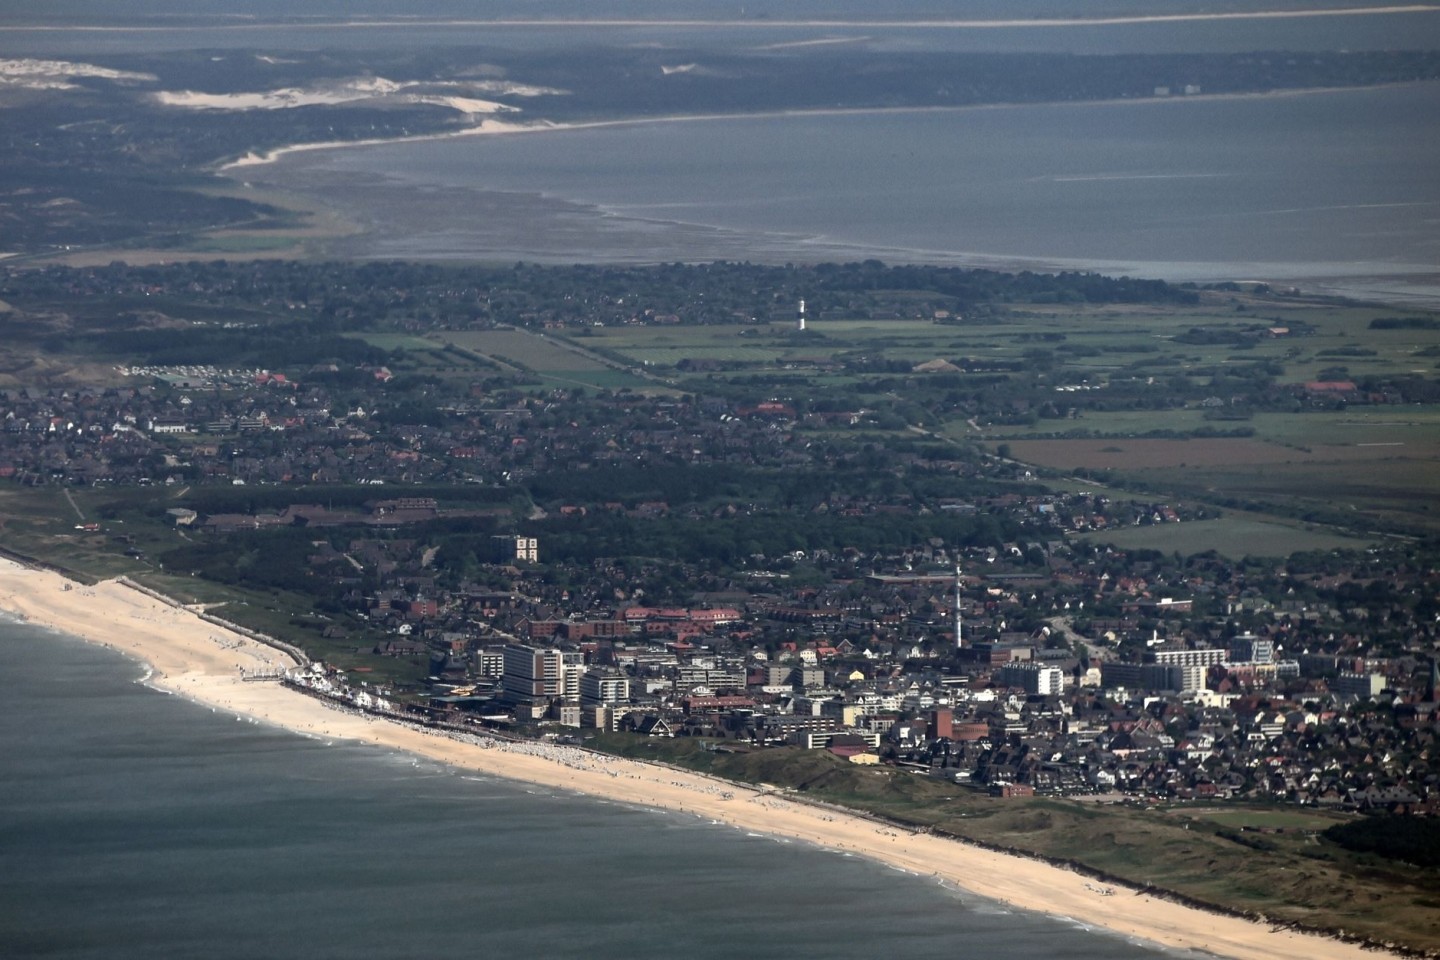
(202, 661)
(1403, 284)
(491, 127)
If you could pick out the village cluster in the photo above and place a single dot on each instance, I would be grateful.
(1301, 699)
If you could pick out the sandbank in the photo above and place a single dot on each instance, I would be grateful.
(203, 662)
(254, 159)
(492, 126)
(287, 98)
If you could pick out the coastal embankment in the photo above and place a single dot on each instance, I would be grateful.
(207, 662)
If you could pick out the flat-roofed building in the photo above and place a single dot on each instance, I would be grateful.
(601, 687)
(490, 661)
(1201, 656)
(1034, 678)
(1248, 648)
(533, 675)
(1362, 686)
(1154, 676)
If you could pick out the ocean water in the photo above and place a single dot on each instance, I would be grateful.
(1329, 188)
(1333, 192)
(135, 824)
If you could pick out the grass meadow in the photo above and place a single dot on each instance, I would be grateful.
(1329, 460)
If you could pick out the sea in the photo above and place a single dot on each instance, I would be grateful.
(1332, 192)
(136, 824)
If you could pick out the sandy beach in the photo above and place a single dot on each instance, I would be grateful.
(203, 662)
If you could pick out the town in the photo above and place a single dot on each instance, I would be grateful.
(744, 560)
(1161, 704)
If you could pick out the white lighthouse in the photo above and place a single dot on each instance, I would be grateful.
(800, 316)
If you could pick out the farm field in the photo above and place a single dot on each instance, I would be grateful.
(1230, 536)
(668, 346)
(1138, 454)
(1157, 397)
(548, 358)
(1413, 427)
(1374, 445)
(398, 341)
(1401, 493)
(1381, 460)
(534, 351)
(1161, 341)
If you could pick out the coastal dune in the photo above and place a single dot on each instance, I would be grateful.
(204, 662)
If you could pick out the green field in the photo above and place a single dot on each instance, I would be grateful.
(667, 346)
(1103, 341)
(399, 341)
(1413, 429)
(546, 361)
(1400, 493)
(1326, 461)
(551, 359)
(532, 350)
(1261, 818)
(1231, 536)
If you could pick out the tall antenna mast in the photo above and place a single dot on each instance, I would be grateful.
(959, 621)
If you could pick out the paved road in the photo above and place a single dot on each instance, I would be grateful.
(1062, 626)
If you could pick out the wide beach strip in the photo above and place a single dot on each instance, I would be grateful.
(204, 662)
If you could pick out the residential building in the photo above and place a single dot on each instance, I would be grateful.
(507, 548)
(603, 687)
(1248, 648)
(1363, 686)
(1033, 678)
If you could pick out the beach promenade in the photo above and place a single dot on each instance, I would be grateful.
(206, 663)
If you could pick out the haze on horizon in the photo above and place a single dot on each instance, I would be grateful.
(121, 11)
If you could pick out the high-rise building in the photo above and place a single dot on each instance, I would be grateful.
(1034, 678)
(533, 676)
(1361, 686)
(710, 673)
(572, 668)
(1248, 648)
(490, 661)
(603, 687)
